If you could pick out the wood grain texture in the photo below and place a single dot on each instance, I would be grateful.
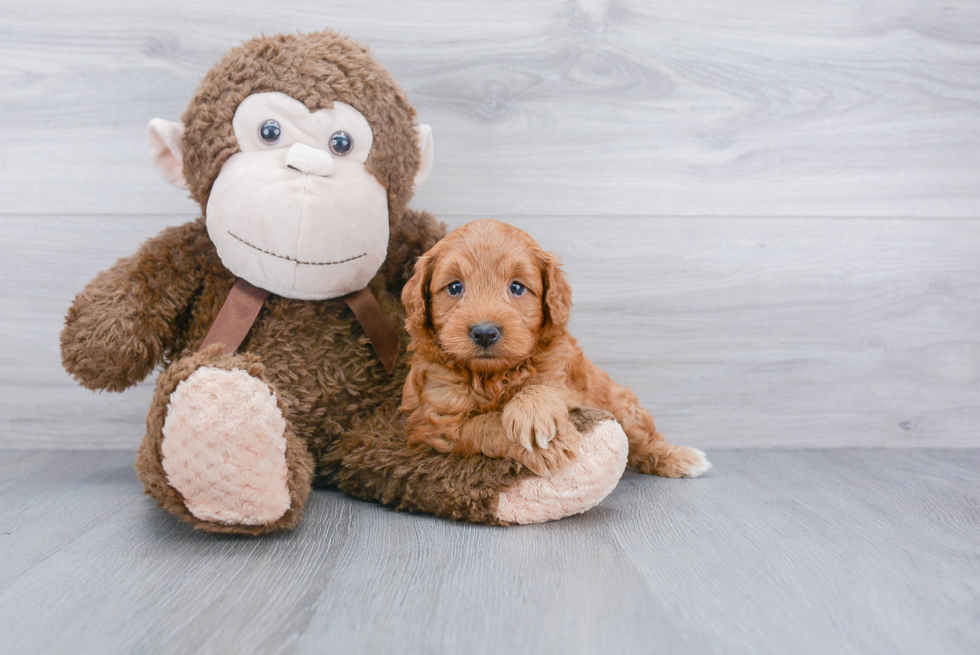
(751, 332)
(850, 551)
(557, 107)
(646, 142)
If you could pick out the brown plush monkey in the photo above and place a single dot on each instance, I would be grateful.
(303, 154)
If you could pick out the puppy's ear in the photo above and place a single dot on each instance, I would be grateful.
(557, 291)
(415, 297)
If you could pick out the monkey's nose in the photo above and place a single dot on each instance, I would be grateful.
(309, 160)
(485, 334)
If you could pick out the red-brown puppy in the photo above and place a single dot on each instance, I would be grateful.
(494, 370)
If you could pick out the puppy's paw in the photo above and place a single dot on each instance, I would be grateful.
(535, 417)
(677, 462)
(697, 464)
(561, 449)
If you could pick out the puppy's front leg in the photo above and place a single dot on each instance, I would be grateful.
(537, 419)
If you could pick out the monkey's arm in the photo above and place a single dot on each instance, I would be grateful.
(415, 233)
(125, 320)
(374, 461)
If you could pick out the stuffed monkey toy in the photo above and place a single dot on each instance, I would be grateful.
(276, 316)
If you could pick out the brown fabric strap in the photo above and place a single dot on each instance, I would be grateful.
(372, 318)
(235, 319)
(245, 301)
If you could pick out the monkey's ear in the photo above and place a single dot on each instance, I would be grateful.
(163, 137)
(427, 150)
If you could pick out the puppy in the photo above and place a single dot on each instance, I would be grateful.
(494, 370)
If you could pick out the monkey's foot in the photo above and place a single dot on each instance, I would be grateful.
(579, 485)
(224, 448)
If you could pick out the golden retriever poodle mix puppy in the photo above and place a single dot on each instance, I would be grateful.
(495, 371)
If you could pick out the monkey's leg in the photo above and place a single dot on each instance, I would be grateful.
(649, 451)
(219, 452)
(373, 461)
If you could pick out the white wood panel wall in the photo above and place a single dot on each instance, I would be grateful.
(769, 210)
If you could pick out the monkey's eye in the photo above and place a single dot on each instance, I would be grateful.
(517, 288)
(341, 143)
(455, 288)
(271, 131)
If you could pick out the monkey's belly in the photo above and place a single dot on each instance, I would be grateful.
(321, 363)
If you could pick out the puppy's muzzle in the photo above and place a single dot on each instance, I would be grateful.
(485, 334)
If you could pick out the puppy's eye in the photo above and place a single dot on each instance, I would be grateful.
(517, 288)
(270, 131)
(455, 288)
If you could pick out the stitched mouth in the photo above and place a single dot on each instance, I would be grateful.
(293, 259)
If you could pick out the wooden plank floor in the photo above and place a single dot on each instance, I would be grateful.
(845, 551)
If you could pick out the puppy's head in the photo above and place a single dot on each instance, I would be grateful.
(485, 297)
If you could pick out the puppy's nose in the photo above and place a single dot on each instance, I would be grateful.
(485, 334)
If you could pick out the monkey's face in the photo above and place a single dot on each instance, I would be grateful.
(296, 211)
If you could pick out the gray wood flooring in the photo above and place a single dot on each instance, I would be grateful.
(826, 551)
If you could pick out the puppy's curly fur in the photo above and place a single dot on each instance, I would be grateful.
(507, 392)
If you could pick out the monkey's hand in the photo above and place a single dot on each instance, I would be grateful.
(124, 321)
(536, 421)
